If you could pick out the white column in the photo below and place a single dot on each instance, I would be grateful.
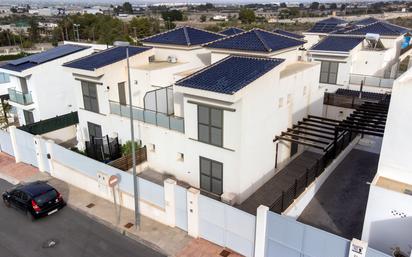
(12, 130)
(260, 235)
(49, 152)
(170, 201)
(39, 152)
(193, 212)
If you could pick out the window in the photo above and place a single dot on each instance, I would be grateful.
(210, 125)
(211, 176)
(180, 157)
(4, 78)
(328, 72)
(122, 93)
(28, 117)
(90, 96)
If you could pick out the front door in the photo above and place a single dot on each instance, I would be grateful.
(95, 131)
(211, 176)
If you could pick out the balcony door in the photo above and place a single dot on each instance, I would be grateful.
(122, 93)
(95, 131)
(211, 176)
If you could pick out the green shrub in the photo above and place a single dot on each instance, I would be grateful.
(127, 148)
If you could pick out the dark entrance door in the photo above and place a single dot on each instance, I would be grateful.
(28, 117)
(95, 131)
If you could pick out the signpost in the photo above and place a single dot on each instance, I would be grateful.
(113, 182)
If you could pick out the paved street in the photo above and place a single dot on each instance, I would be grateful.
(75, 234)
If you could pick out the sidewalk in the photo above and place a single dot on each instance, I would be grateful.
(162, 238)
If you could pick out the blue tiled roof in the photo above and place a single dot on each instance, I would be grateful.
(31, 61)
(230, 74)
(104, 58)
(287, 33)
(337, 44)
(327, 25)
(231, 31)
(256, 40)
(366, 21)
(186, 36)
(380, 27)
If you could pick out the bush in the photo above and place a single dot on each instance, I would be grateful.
(127, 148)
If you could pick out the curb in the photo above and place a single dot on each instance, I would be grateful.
(9, 179)
(119, 229)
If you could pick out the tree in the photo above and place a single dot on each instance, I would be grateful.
(322, 7)
(173, 15)
(283, 5)
(247, 15)
(203, 18)
(342, 7)
(127, 8)
(314, 6)
(333, 6)
(34, 30)
(144, 27)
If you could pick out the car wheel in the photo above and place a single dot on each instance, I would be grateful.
(30, 217)
(6, 203)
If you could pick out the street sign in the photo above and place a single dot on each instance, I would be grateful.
(113, 181)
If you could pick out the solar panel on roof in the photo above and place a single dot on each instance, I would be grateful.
(48, 55)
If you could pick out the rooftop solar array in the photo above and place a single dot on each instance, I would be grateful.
(256, 40)
(288, 33)
(185, 36)
(46, 56)
(104, 58)
(231, 31)
(337, 44)
(328, 25)
(230, 74)
(381, 28)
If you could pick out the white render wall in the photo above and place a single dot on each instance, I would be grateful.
(384, 228)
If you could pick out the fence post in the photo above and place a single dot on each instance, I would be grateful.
(260, 233)
(193, 212)
(170, 201)
(39, 152)
(13, 137)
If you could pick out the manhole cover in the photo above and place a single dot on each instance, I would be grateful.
(224, 253)
(128, 225)
(90, 205)
(50, 243)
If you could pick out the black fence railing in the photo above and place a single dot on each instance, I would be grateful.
(103, 149)
(298, 186)
(52, 124)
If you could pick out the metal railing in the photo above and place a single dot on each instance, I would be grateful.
(298, 186)
(370, 81)
(152, 117)
(20, 97)
(345, 101)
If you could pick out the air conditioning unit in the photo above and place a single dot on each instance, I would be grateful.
(172, 59)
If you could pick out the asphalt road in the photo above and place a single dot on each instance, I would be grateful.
(76, 235)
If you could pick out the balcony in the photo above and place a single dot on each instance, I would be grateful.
(370, 81)
(20, 97)
(152, 117)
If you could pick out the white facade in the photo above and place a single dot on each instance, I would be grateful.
(51, 89)
(252, 117)
(389, 210)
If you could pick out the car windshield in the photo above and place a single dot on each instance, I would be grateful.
(45, 197)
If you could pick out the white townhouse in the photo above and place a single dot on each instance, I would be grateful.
(39, 88)
(366, 51)
(388, 218)
(214, 127)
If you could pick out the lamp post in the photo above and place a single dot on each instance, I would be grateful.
(135, 181)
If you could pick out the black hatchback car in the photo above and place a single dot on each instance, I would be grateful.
(36, 199)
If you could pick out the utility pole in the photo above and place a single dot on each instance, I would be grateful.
(134, 173)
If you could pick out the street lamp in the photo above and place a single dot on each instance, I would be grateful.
(135, 181)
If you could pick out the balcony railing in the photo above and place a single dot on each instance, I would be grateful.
(20, 97)
(148, 116)
(371, 81)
